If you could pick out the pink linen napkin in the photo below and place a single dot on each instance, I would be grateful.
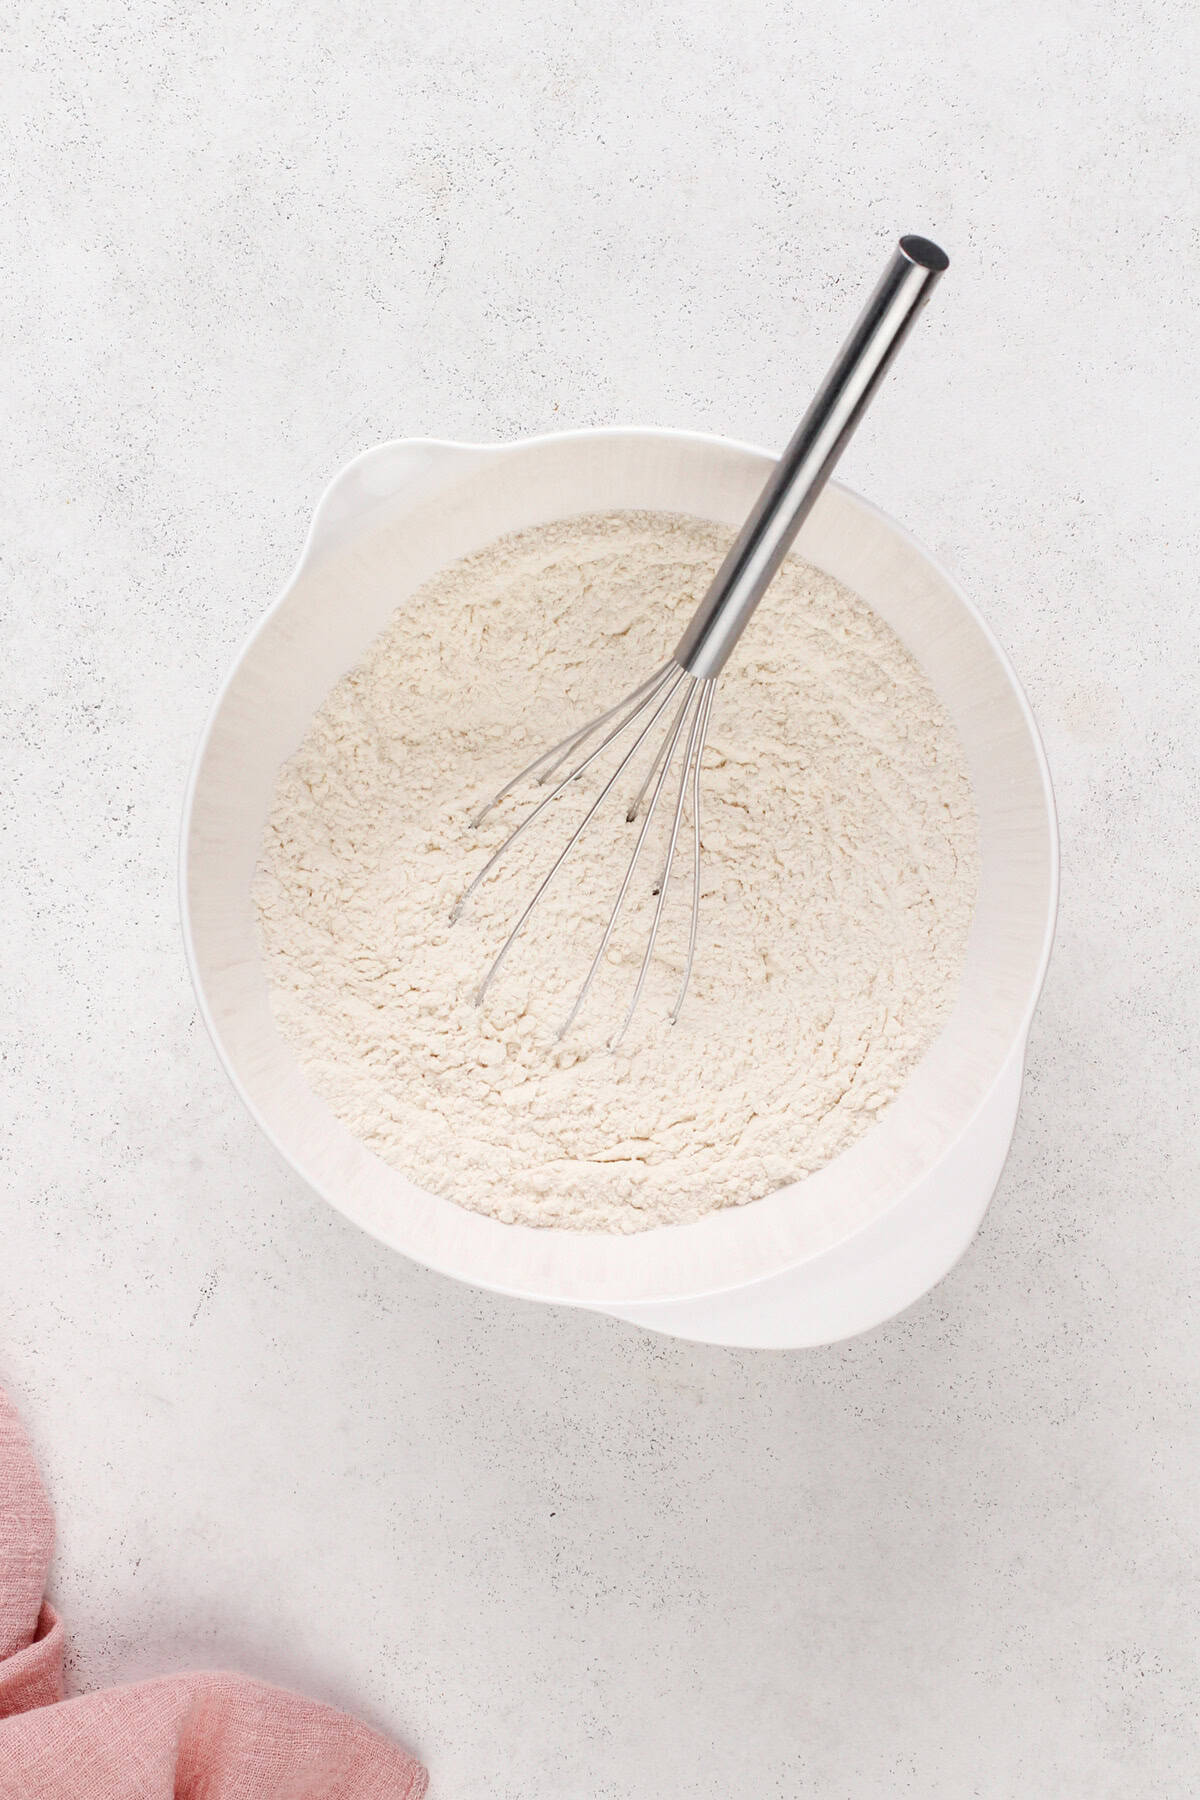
(180, 1737)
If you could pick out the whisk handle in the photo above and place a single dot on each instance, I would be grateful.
(805, 466)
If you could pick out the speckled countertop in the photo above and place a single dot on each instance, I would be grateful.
(562, 1559)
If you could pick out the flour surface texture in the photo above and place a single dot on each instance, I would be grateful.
(840, 867)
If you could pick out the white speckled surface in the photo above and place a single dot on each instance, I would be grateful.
(566, 1561)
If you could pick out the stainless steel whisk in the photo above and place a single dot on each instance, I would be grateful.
(681, 691)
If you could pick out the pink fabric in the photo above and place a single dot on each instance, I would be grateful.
(182, 1737)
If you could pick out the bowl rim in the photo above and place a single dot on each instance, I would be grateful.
(310, 549)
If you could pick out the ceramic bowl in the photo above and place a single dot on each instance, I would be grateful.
(829, 1256)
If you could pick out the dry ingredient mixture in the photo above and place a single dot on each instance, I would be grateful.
(839, 877)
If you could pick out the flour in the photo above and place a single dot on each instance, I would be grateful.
(839, 877)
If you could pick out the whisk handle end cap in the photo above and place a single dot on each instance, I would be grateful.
(925, 254)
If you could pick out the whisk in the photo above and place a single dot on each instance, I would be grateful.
(678, 698)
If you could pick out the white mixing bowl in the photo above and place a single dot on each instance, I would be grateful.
(827, 1257)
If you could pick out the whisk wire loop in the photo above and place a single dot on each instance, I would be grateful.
(663, 763)
(691, 758)
(558, 753)
(663, 696)
(669, 689)
(574, 775)
(710, 688)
